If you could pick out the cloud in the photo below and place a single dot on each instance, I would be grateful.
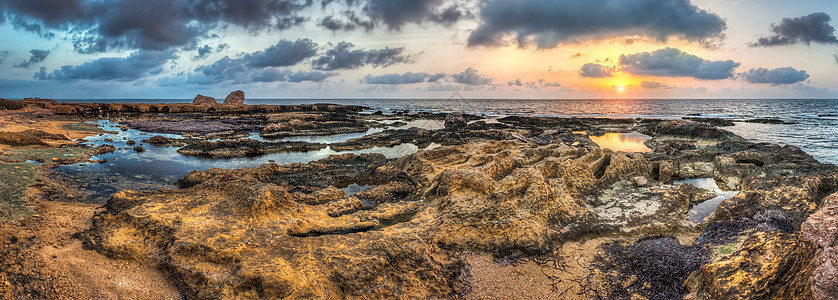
(533, 84)
(343, 57)
(671, 62)
(274, 75)
(590, 70)
(813, 28)
(786, 75)
(135, 66)
(349, 22)
(653, 85)
(284, 53)
(406, 78)
(3, 55)
(548, 23)
(394, 14)
(258, 66)
(99, 26)
(471, 77)
(203, 52)
(37, 57)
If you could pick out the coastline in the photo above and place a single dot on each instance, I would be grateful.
(526, 192)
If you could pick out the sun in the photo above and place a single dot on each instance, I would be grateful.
(621, 88)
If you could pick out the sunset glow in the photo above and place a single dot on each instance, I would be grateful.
(486, 50)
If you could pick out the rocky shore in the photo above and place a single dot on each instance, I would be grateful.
(525, 197)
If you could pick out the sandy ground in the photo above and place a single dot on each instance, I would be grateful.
(40, 258)
(47, 262)
(36, 118)
(527, 279)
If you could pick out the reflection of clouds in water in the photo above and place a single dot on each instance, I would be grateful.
(160, 165)
(626, 142)
(704, 209)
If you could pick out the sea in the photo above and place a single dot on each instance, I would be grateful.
(815, 128)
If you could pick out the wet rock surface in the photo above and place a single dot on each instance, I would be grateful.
(244, 147)
(496, 189)
(524, 189)
(312, 123)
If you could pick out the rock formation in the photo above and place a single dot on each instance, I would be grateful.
(455, 120)
(235, 98)
(204, 100)
(517, 189)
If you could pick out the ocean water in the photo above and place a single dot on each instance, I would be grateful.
(815, 131)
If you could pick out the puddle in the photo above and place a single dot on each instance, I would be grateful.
(158, 166)
(701, 211)
(34, 162)
(626, 142)
(354, 188)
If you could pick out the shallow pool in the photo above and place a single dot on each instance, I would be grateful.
(159, 166)
(701, 211)
(626, 142)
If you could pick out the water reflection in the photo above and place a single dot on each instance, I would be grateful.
(626, 142)
(160, 165)
(701, 211)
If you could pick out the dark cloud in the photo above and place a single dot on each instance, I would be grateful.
(37, 57)
(787, 75)
(471, 77)
(137, 65)
(22, 25)
(284, 53)
(3, 55)
(343, 57)
(548, 22)
(393, 14)
(51, 13)
(348, 22)
(590, 70)
(102, 25)
(275, 75)
(406, 78)
(259, 66)
(221, 70)
(203, 52)
(813, 28)
(671, 62)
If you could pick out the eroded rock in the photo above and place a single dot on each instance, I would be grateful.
(204, 100)
(235, 98)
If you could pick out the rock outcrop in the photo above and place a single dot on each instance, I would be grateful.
(516, 189)
(821, 231)
(455, 121)
(235, 98)
(204, 100)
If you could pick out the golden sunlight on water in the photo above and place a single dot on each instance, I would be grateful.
(626, 142)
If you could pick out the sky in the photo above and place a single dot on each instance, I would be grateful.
(545, 49)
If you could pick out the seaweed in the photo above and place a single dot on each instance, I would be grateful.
(655, 268)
